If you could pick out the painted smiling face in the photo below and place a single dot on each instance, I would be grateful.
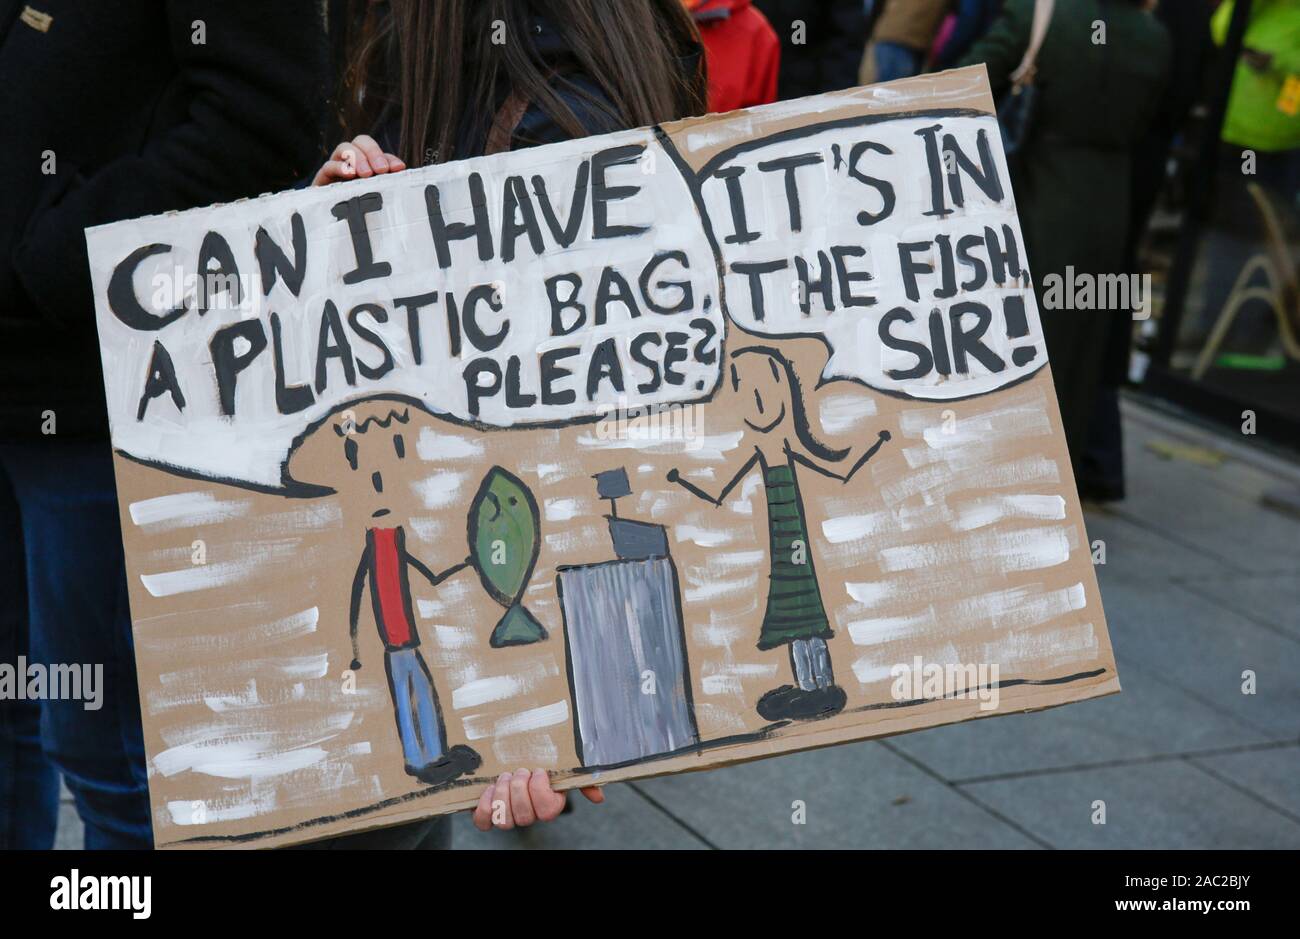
(762, 388)
(503, 535)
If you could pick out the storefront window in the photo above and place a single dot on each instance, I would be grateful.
(1235, 323)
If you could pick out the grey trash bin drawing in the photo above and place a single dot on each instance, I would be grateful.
(627, 654)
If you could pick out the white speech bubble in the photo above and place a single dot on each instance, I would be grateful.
(285, 360)
(813, 226)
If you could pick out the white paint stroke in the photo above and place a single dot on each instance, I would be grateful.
(720, 718)
(551, 472)
(729, 561)
(576, 541)
(703, 447)
(257, 636)
(722, 684)
(440, 490)
(727, 679)
(841, 413)
(1024, 418)
(996, 508)
(485, 690)
(869, 632)
(434, 447)
(713, 634)
(548, 715)
(314, 516)
(705, 537)
(252, 558)
(198, 577)
(454, 637)
(561, 510)
(847, 528)
(1022, 549)
(1026, 471)
(425, 528)
(871, 593)
(710, 587)
(183, 509)
(869, 670)
(311, 665)
(1019, 607)
(240, 759)
(530, 752)
(233, 752)
(187, 811)
(247, 698)
(1072, 644)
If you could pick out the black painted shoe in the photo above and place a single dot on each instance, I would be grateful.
(457, 761)
(789, 703)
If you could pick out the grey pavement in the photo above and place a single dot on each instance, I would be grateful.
(1201, 585)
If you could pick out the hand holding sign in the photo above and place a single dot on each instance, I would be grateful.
(359, 158)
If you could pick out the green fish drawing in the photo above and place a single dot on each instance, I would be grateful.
(503, 543)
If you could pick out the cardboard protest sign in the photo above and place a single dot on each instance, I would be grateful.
(624, 456)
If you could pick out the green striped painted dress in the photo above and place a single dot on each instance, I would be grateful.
(794, 601)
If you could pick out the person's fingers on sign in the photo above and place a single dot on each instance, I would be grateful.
(359, 158)
(521, 798)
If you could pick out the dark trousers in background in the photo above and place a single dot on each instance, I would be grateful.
(29, 785)
(63, 601)
(1101, 471)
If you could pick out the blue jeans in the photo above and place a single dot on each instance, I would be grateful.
(416, 708)
(64, 602)
(894, 61)
(29, 784)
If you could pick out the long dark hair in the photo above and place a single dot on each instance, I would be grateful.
(431, 67)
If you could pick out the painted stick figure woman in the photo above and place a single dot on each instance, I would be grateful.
(770, 398)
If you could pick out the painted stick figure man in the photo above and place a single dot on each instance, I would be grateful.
(767, 394)
(385, 566)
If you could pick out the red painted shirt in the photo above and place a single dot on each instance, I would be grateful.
(389, 588)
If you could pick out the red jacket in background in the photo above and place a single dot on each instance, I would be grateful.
(741, 50)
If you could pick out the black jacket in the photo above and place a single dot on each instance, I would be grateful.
(830, 51)
(137, 107)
